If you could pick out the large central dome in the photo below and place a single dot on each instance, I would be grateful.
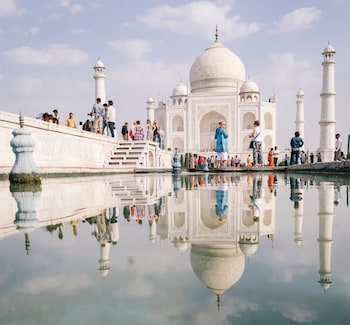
(217, 69)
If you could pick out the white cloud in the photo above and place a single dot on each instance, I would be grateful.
(28, 85)
(297, 313)
(133, 48)
(76, 8)
(56, 54)
(58, 285)
(292, 68)
(7, 8)
(32, 31)
(198, 18)
(299, 19)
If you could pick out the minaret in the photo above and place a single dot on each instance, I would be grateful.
(327, 122)
(299, 120)
(150, 109)
(326, 215)
(100, 90)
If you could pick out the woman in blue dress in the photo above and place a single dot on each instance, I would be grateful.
(221, 145)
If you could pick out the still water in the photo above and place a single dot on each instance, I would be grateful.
(166, 249)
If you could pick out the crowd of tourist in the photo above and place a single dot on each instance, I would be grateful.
(102, 120)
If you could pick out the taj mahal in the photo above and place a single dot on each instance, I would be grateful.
(219, 90)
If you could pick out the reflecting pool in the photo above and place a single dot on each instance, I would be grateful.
(176, 249)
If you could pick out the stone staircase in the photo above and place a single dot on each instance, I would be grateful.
(128, 154)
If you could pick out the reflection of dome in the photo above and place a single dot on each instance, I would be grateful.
(180, 90)
(249, 86)
(218, 267)
(216, 69)
(181, 246)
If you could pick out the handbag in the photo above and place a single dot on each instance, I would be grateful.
(251, 145)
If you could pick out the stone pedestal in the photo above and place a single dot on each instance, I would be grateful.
(24, 170)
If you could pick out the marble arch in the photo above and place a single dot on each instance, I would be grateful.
(208, 125)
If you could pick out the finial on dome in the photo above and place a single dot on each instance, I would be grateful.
(216, 34)
(218, 301)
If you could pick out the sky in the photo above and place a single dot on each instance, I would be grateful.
(48, 49)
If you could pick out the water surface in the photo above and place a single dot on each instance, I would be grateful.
(164, 249)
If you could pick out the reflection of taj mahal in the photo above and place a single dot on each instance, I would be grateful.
(218, 91)
(218, 247)
(219, 219)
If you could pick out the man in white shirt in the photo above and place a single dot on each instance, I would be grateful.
(338, 143)
(111, 117)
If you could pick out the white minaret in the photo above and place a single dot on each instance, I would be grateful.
(327, 122)
(299, 120)
(100, 90)
(150, 109)
(325, 240)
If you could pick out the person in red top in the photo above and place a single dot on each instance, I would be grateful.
(270, 158)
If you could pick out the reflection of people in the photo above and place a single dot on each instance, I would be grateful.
(296, 143)
(256, 199)
(295, 194)
(221, 146)
(337, 195)
(257, 144)
(221, 199)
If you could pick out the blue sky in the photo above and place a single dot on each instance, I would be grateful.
(49, 47)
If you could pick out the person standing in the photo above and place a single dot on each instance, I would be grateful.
(111, 117)
(338, 143)
(296, 143)
(221, 147)
(270, 158)
(70, 121)
(149, 130)
(56, 116)
(257, 144)
(138, 135)
(125, 131)
(97, 113)
(276, 154)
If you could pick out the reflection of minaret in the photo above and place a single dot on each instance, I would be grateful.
(298, 220)
(299, 121)
(327, 122)
(100, 90)
(104, 260)
(326, 214)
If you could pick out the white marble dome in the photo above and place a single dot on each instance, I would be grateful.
(329, 48)
(218, 267)
(250, 86)
(180, 90)
(217, 69)
(99, 64)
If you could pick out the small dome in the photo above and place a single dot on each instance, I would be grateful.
(99, 64)
(150, 100)
(300, 93)
(248, 249)
(329, 48)
(180, 90)
(217, 69)
(249, 86)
